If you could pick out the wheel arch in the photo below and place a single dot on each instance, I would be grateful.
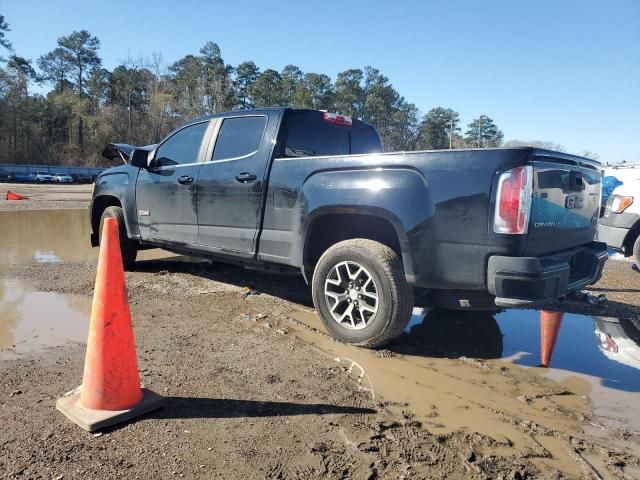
(329, 225)
(98, 206)
(630, 239)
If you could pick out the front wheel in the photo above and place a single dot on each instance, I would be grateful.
(128, 247)
(636, 251)
(361, 294)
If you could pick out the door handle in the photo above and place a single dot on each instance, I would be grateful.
(185, 180)
(246, 177)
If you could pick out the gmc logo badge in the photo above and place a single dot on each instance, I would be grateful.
(573, 202)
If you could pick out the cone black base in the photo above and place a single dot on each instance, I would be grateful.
(93, 420)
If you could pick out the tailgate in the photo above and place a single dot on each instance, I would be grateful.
(565, 206)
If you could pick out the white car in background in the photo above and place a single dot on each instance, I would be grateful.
(619, 340)
(62, 178)
(619, 227)
(43, 177)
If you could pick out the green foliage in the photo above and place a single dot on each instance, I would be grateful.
(349, 93)
(290, 77)
(483, 133)
(403, 133)
(315, 91)
(218, 88)
(246, 75)
(54, 68)
(438, 129)
(80, 53)
(266, 91)
(4, 28)
(75, 56)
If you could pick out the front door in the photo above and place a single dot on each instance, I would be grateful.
(166, 191)
(232, 181)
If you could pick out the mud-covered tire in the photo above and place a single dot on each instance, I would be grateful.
(128, 247)
(395, 295)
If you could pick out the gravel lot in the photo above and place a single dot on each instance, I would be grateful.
(45, 196)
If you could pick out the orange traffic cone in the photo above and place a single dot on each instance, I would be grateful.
(110, 391)
(15, 196)
(549, 327)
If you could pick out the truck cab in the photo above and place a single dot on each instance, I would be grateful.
(204, 185)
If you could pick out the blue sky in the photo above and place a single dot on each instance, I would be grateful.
(563, 71)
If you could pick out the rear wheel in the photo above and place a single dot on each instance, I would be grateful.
(636, 251)
(128, 247)
(361, 294)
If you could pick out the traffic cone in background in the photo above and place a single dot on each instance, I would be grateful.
(110, 392)
(549, 327)
(15, 196)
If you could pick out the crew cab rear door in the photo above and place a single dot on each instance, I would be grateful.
(565, 205)
(232, 181)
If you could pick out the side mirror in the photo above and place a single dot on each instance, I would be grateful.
(139, 158)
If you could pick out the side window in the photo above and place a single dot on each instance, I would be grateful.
(239, 137)
(183, 147)
(308, 137)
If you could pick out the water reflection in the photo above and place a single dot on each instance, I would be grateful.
(45, 236)
(32, 320)
(605, 348)
(445, 333)
(619, 340)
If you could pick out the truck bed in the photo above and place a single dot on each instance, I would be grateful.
(439, 202)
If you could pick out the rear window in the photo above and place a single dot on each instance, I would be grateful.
(239, 137)
(365, 139)
(308, 135)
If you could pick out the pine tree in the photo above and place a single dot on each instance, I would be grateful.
(483, 133)
(4, 28)
(267, 89)
(438, 128)
(349, 94)
(76, 56)
(245, 77)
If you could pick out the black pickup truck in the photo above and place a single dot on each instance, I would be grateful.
(374, 233)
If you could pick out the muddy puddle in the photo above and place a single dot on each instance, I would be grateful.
(31, 320)
(45, 236)
(593, 373)
(604, 351)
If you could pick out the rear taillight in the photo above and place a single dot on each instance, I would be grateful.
(620, 203)
(513, 201)
(337, 119)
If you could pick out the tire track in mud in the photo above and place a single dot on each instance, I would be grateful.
(543, 432)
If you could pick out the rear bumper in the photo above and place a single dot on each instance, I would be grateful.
(522, 281)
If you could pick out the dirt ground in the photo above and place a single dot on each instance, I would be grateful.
(255, 389)
(45, 196)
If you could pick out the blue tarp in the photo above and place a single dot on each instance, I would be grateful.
(609, 184)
